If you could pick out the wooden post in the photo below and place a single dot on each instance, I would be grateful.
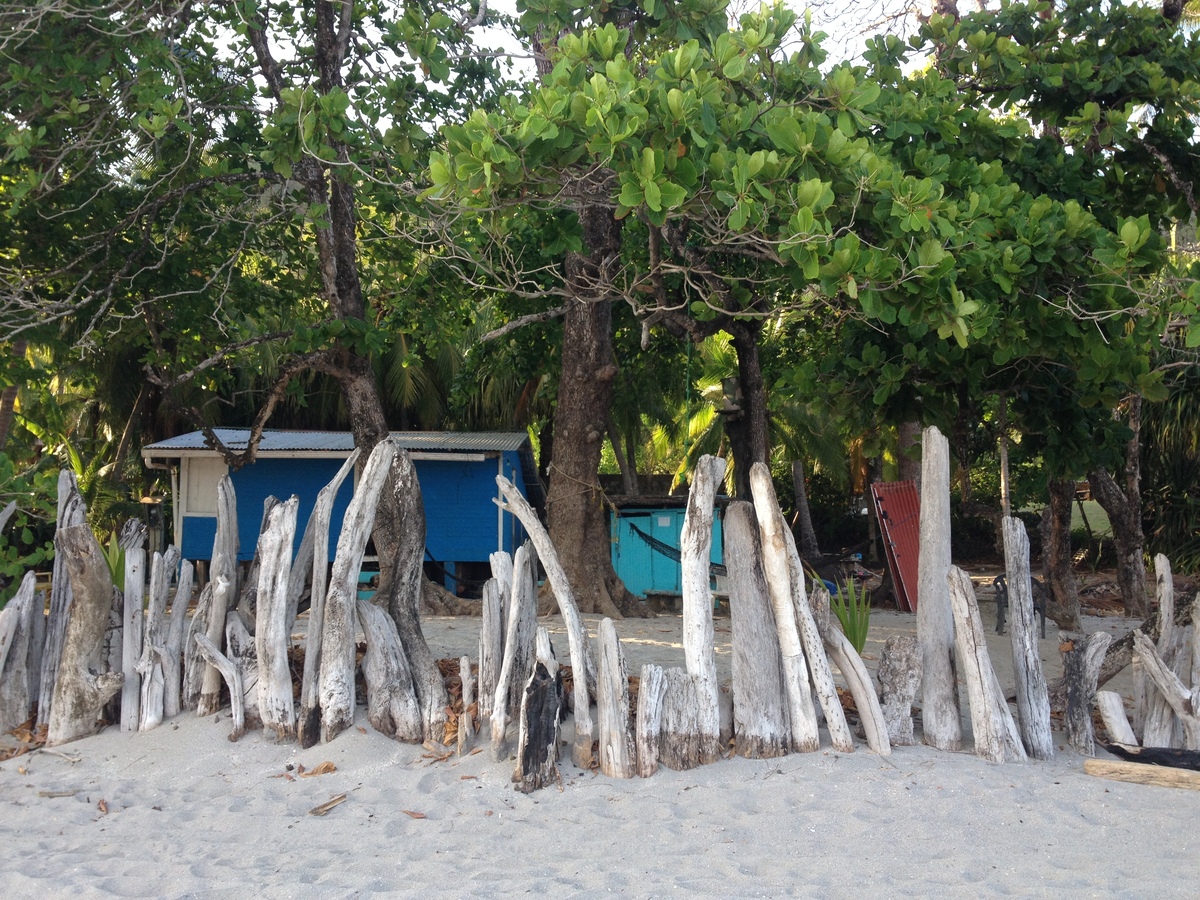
(336, 684)
(133, 541)
(518, 646)
(194, 664)
(1160, 727)
(1081, 667)
(491, 651)
(233, 678)
(272, 636)
(612, 705)
(392, 707)
(695, 547)
(760, 721)
(16, 635)
(802, 715)
(172, 652)
(404, 596)
(537, 746)
(242, 653)
(814, 646)
(651, 690)
(1112, 711)
(224, 577)
(466, 721)
(900, 671)
(581, 751)
(79, 695)
(935, 621)
(71, 511)
(502, 566)
(862, 689)
(1181, 700)
(308, 724)
(996, 736)
(247, 605)
(1033, 697)
(149, 667)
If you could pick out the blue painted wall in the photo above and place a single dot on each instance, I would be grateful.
(460, 517)
(640, 566)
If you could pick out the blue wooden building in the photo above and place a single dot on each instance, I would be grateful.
(456, 470)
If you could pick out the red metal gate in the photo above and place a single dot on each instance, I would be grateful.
(898, 507)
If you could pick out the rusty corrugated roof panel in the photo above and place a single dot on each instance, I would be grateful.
(898, 507)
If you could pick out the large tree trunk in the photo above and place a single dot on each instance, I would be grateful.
(1124, 508)
(747, 428)
(809, 548)
(908, 453)
(577, 519)
(1055, 528)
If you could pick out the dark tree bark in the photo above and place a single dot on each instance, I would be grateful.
(1055, 529)
(1124, 508)
(747, 428)
(809, 548)
(576, 516)
(908, 454)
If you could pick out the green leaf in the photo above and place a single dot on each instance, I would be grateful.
(735, 68)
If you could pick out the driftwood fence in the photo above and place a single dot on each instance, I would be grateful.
(136, 657)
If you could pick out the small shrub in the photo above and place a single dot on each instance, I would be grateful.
(852, 606)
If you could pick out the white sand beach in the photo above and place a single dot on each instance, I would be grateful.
(181, 812)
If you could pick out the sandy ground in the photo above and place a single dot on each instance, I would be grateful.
(182, 812)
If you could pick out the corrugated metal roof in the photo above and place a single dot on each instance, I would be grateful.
(341, 441)
(898, 506)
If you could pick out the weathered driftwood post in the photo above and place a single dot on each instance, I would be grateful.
(858, 680)
(336, 686)
(612, 705)
(1033, 698)
(996, 736)
(71, 511)
(491, 648)
(935, 621)
(271, 635)
(172, 650)
(760, 721)
(581, 751)
(223, 572)
(241, 652)
(1160, 728)
(1182, 700)
(1081, 667)
(1112, 711)
(700, 743)
(537, 743)
(194, 664)
(900, 671)
(133, 542)
(17, 632)
(466, 722)
(651, 690)
(247, 605)
(404, 596)
(233, 679)
(150, 667)
(814, 650)
(79, 695)
(518, 646)
(802, 715)
(392, 707)
(308, 725)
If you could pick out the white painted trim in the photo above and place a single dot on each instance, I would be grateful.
(500, 507)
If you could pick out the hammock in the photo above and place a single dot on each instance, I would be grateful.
(671, 552)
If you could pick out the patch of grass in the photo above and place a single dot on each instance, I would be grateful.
(852, 606)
